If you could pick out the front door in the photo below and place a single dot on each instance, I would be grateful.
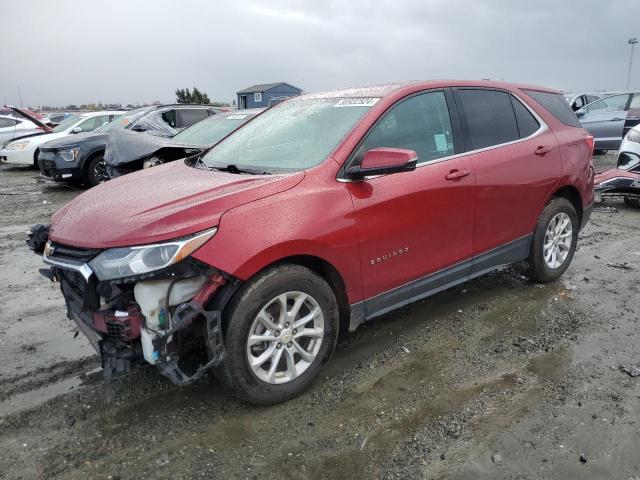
(605, 120)
(413, 224)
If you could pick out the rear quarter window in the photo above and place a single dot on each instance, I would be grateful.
(527, 123)
(556, 105)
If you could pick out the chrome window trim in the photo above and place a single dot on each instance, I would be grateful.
(543, 128)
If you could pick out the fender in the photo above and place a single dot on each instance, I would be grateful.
(308, 219)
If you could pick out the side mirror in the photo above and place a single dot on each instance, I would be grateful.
(76, 130)
(138, 127)
(384, 161)
(580, 113)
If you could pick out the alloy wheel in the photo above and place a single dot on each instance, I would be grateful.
(557, 240)
(285, 337)
(100, 172)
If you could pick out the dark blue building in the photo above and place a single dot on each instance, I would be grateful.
(265, 95)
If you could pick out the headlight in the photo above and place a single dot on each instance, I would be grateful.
(69, 154)
(126, 262)
(18, 145)
(633, 136)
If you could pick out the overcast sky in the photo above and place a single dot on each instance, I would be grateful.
(66, 51)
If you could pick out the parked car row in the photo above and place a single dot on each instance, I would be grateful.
(25, 150)
(316, 215)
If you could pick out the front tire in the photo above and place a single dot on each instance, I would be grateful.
(97, 170)
(281, 327)
(554, 241)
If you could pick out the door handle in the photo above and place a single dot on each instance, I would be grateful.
(543, 150)
(456, 174)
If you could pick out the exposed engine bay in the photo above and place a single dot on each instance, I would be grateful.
(167, 318)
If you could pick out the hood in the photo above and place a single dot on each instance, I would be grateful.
(157, 204)
(74, 139)
(41, 138)
(30, 116)
(124, 146)
(22, 137)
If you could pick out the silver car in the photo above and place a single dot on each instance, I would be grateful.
(610, 118)
(578, 100)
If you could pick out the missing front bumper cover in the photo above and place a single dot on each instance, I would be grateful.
(184, 315)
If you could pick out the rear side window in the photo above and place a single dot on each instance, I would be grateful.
(556, 105)
(193, 115)
(527, 123)
(489, 116)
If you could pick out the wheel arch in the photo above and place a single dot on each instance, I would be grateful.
(325, 270)
(36, 154)
(572, 194)
(89, 156)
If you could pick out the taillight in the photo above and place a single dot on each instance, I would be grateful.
(590, 141)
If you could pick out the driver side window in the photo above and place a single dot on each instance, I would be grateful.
(420, 123)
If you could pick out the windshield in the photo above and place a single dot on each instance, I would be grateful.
(211, 130)
(123, 121)
(68, 123)
(294, 135)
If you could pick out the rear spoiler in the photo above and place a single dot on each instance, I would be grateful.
(29, 117)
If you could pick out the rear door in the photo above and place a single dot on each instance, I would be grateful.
(415, 223)
(516, 161)
(605, 120)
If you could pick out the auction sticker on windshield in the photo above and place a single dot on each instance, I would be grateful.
(356, 102)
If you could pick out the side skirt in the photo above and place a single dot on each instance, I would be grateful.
(415, 290)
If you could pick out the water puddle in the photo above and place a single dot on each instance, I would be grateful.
(32, 398)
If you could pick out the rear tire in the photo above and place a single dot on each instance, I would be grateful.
(257, 304)
(554, 241)
(97, 170)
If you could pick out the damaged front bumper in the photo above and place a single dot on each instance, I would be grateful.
(51, 168)
(162, 318)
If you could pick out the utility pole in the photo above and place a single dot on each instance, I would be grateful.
(20, 95)
(632, 42)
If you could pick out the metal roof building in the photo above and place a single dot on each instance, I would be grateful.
(266, 94)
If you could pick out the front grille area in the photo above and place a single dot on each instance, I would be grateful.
(75, 254)
(116, 330)
(48, 168)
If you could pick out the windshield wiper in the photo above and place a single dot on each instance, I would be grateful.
(232, 168)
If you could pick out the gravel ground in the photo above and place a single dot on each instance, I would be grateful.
(498, 378)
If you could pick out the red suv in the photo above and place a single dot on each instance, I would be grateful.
(321, 213)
